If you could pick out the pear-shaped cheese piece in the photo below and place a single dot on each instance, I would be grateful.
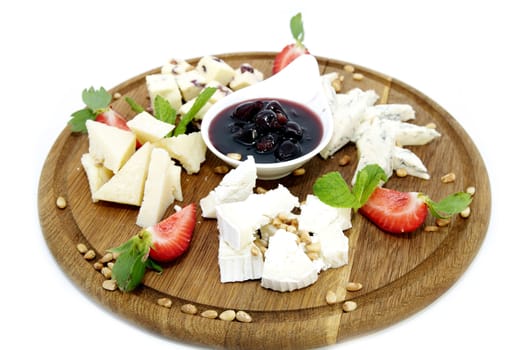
(164, 85)
(158, 193)
(148, 128)
(109, 145)
(96, 173)
(188, 149)
(127, 185)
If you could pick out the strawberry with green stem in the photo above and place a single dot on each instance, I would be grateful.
(291, 51)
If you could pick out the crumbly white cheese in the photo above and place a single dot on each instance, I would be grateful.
(239, 265)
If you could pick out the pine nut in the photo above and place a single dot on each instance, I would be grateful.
(260, 190)
(243, 316)
(189, 309)
(299, 172)
(349, 306)
(331, 297)
(106, 258)
(442, 222)
(98, 266)
(358, 76)
(465, 213)
(471, 190)
(313, 255)
(353, 286)
(447, 178)
(89, 255)
(106, 272)
(235, 156)
(61, 202)
(221, 169)
(117, 95)
(313, 247)
(337, 85)
(255, 251)
(344, 160)
(212, 314)
(401, 172)
(164, 302)
(81, 247)
(431, 125)
(110, 265)
(110, 285)
(228, 315)
(431, 228)
(349, 68)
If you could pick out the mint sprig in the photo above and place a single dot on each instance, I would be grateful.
(96, 101)
(199, 103)
(448, 206)
(297, 29)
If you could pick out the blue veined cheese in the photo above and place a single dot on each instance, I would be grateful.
(235, 186)
(286, 266)
(327, 87)
(348, 112)
(405, 159)
(407, 134)
(239, 265)
(394, 111)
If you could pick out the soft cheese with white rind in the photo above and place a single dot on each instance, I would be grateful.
(109, 145)
(235, 186)
(286, 266)
(214, 68)
(239, 265)
(164, 85)
(96, 173)
(148, 128)
(275, 201)
(334, 246)
(315, 215)
(158, 192)
(127, 186)
(188, 149)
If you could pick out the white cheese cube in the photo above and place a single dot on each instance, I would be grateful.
(188, 149)
(239, 265)
(214, 68)
(176, 66)
(315, 215)
(185, 108)
(158, 191)
(109, 145)
(334, 246)
(245, 75)
(190, 84)
(286, 266)
(96, 173)
(235, 186)
(221, 91)
(166, 86)
(148, 128)
(127, 185)
(275, 201)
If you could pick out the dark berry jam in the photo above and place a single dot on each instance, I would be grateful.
(271, 130)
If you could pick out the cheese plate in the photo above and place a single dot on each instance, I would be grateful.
(400, 274)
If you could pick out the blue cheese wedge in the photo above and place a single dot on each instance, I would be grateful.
(239, 265)
(394, 111)
(407, 134)
(403, 158)
(286, 266)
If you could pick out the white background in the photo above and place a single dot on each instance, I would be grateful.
(467, 56)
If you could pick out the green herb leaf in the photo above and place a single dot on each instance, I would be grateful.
(333, 190)
(200, 101)
(297, 28)
(78, 120)
(96, 100)
(450, 205)
(136, 107)
(152, 265)
(367, 180)
(164, 111)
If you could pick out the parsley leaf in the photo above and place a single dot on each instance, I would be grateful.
(200, 101)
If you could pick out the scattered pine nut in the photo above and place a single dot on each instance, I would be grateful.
(235, 156)
(164, 302)
(349, 68)
(299, 172)
(243, 316)
(81, 247)
(106, 272)
(61, 202)
(189, 309)
(353, 286)
(228, 315)
(337, 85)
(349, 306)
(117, 95)
(401, 172)
(98, 266)
(471, 190)
(431, 125)
(313, 255)
(465, 213)
(358, 76)
(89, 255)
(260, 190)
(110, 265)
(442, 222)
(431, 228)
(106, 258)
(212, 314)
(255, 251)
(110, 285)
(447, 178)
(221, 169)
(344, 160)
(331, 297)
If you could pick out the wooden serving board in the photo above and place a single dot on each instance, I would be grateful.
(400, 274)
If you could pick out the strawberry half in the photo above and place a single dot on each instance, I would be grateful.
(171, 237)
(291, 51)
(394, 211)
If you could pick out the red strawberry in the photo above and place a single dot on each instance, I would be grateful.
(112, 118)
(171, 237)
(394, 211)
(291, 51)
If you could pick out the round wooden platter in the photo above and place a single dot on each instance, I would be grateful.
(400, 274)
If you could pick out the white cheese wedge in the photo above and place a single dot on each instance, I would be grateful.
(96, 173)
(127, 186)
(190, 84)
(221, 91)
(108, 145)
(148, 128)
(239, 265)
(158, 191)
(174, 174)
(188, 149)
(235, 186)
(185, 108)
(245, 75)
(286, 266)
(214, 68)
(176, 66)
(166, 86)
(407, 134)
(405, 159)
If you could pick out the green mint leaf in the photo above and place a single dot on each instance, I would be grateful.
(367, 181)
(450, 205)
(96, 100)
(129, 270)
(136, 107)
(152, 265)
(78, 120)
(164, 111)
(333, 190)
(297, 28)
(200, 101)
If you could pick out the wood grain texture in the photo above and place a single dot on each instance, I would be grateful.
(401, 274)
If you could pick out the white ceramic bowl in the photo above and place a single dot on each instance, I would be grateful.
(299, 82)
